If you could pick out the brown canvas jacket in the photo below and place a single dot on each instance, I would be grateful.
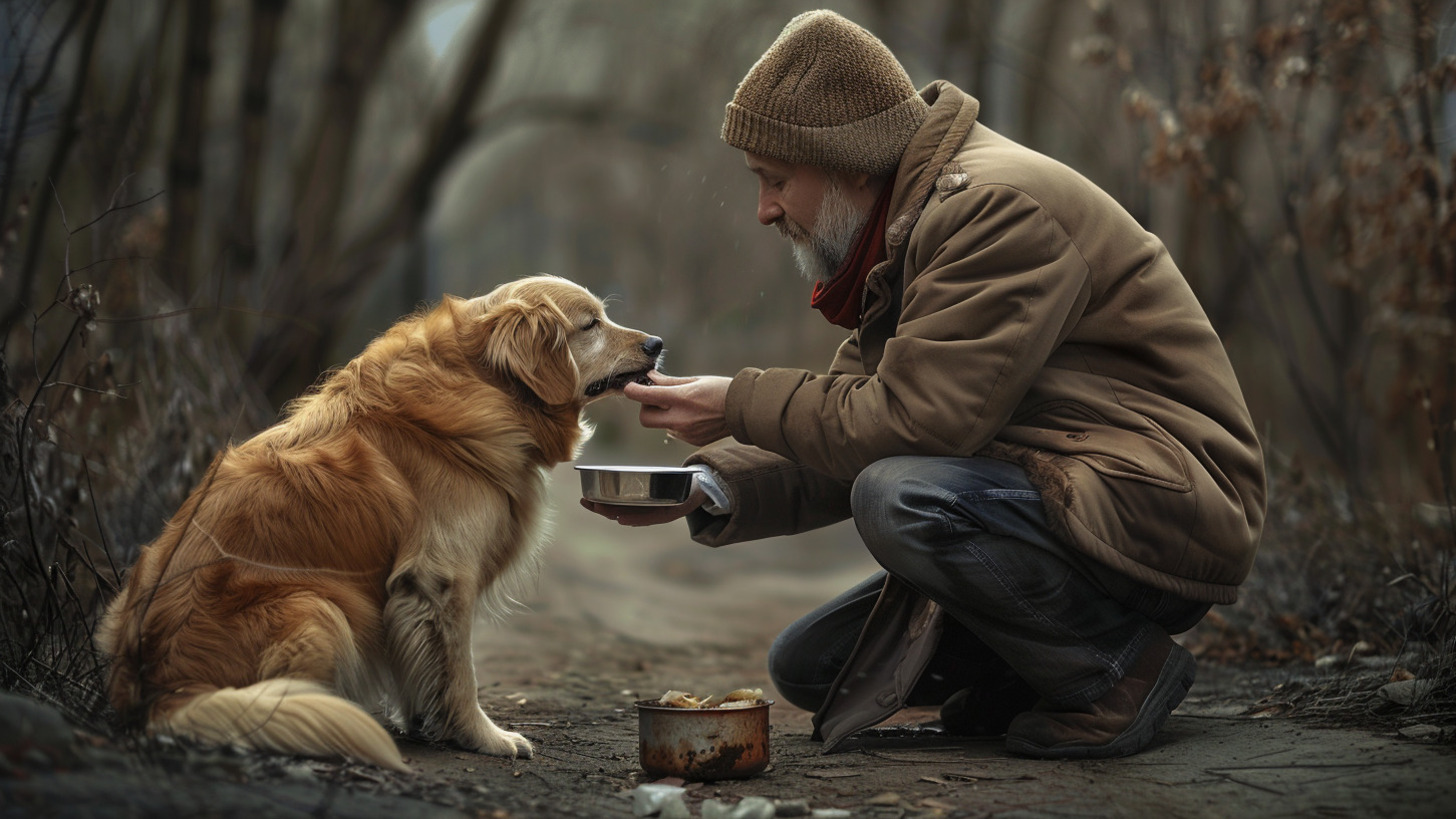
(1022, 314)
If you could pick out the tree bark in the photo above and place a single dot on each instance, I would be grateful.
(65, 137)
(328, 284)
(184, 165)
(242, 240)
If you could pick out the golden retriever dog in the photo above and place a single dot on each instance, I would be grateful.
(339, 557)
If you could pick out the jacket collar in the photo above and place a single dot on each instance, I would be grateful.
(945, 130)
(952, 115)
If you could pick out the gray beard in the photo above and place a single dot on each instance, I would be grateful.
(820, 253)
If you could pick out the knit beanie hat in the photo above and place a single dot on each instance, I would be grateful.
(826, 93)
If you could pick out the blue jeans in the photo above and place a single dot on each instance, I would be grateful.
(971, 534)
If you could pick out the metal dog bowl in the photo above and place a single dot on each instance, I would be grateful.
(702, 744)
(636, 485)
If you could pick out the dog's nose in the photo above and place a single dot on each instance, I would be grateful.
(652, 346)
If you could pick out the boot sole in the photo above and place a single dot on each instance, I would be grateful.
(1168, 692)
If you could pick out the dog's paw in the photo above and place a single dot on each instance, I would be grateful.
(504, 743)
(523, 745)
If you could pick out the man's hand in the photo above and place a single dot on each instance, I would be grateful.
(690, 409)
(647, 515)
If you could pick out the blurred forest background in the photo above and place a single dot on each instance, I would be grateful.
(207, 203)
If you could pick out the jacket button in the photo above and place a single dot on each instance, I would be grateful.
(885, 699)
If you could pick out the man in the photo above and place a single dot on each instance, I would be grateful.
(1032, 423)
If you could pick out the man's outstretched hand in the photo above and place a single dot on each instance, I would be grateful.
(690, 409)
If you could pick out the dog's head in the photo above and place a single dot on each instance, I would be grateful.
(553, 337)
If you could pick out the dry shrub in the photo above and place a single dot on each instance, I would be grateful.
(106, 424)
(1312, 135)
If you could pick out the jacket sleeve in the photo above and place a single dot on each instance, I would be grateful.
(847, 359)
(771, 496)
(992, 285)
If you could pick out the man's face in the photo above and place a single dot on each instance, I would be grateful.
(819, 212)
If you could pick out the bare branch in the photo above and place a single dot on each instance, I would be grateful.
(54, 168)
(28, 97)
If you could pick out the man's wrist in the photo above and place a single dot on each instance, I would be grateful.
(719, 502)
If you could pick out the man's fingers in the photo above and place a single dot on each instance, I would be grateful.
(654, 417)
(653, 396)
(666, 380)
(656, 392)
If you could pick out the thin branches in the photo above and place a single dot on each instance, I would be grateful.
(54, 168)
(28, 95)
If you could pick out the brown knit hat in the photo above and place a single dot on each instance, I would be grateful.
(826, 93)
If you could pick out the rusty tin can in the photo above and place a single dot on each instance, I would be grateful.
(701, 744)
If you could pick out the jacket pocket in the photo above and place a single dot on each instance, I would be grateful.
(1113, 441)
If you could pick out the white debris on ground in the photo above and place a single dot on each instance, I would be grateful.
(749, 807)
(666, 801)
(655, 799)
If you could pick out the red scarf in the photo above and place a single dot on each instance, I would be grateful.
(841, 297)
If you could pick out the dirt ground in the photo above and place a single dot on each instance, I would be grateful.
(622, 614)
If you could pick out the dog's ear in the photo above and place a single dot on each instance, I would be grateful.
(526, 341)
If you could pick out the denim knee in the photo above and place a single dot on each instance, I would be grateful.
(803, 666)
(785, 673)
(892, 503)
(928, 520)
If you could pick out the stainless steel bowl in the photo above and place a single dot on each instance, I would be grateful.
(636, 485)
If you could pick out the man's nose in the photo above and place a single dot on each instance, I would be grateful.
(769, 210)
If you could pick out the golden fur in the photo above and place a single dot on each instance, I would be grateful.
(340, 555)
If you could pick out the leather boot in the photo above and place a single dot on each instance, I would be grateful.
(1122, 722)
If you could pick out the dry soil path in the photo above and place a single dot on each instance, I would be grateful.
(620, 614)
(623, 614)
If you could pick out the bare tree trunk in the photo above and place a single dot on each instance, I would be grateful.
(1046, 31)
(365, 33)
(122, 150)
(184, 166)
(329, 281)
(65, 137)
(242, 240)
(961, 44)
(28, 90)
(453, 129)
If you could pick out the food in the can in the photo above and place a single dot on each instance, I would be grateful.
(737, 698)
(679, 699)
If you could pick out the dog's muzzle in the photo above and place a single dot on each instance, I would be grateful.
(652, 348)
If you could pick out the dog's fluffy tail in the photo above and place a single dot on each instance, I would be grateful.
(283, 715)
